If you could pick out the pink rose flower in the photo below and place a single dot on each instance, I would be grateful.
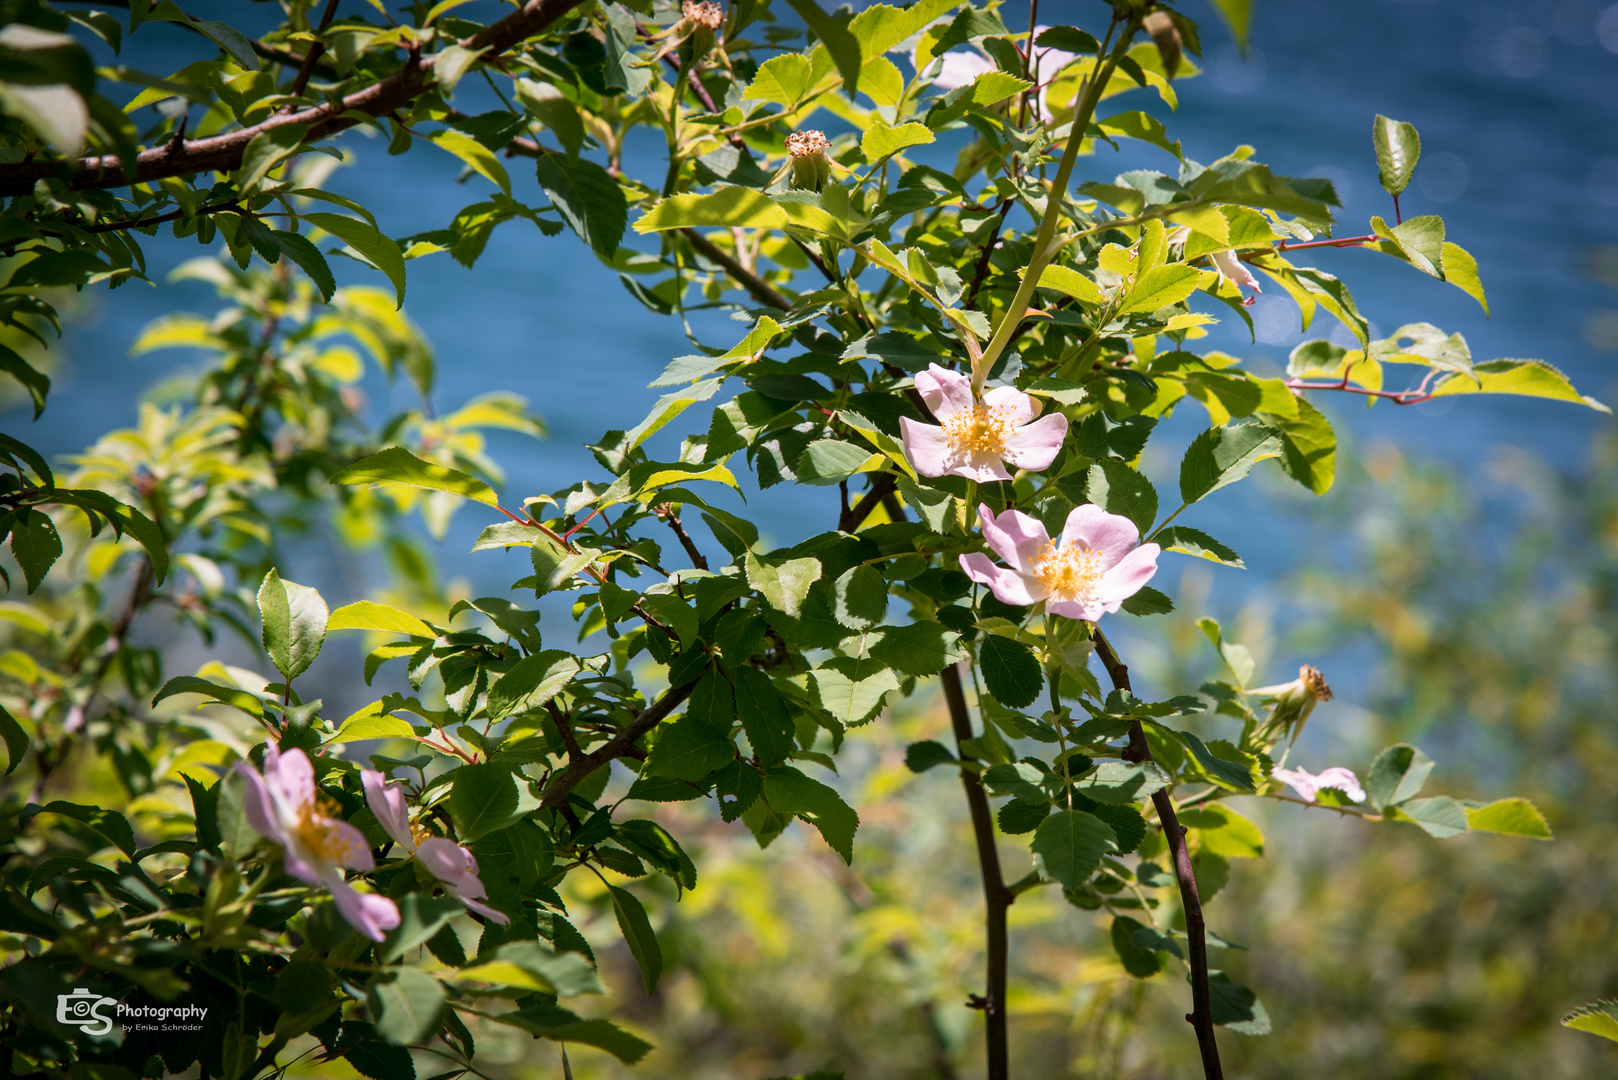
(455, 867)
(283, 806)
(1090, 571)
(1307, 784)
(975, 438)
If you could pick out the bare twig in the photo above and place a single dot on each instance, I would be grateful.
(1201, 1016)
(672, 520)
(565, 780)
(761, 290)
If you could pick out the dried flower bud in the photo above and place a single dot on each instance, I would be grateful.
(811, 165)
(703, 13)
(1167, 38)
(698, 26)
(1294, 701)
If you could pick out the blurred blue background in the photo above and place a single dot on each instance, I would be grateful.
(1515, 104)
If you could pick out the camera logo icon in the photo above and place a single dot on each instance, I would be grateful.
(83, 1009)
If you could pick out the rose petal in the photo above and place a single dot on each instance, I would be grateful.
(1034, 446)
(1089, 611)
(983, 467)
(1128, 576)
(1014, 536)
(347, 846)
(946, 392)
(1232, 269)
(1113, 535)
(1305, 784)
(368, 913)
(1018, 405)
(387, 802)
(1008, 586)
(256, 804)
(959, 69)
(1343, 780)
(291, 780)
(926, 446)
(492, 914)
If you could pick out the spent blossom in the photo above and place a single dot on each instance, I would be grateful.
(454, 866)
(1089, 571)
(284, 806)
(977, 438)
(808, 159)
(958, 69)
(1308, 784)
(1232, 269)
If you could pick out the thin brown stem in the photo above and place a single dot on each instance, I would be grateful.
(672, 520)
(1201, 1015)
(997, 898)
(565, 780)
(315, 52)
(761, 290)
(854, 516)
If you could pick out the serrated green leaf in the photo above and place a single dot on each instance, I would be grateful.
(1397, 775)
(1528, 378)
(396, 465)
(294, 619)
(1398, 148)
(474, 154)
(1119, 489)
(789, 791)
(1189, 541)
(588, 198)
(1224, 455)
(1010, 671)
(1440, 817)
(920, 649)
(1235, 1006)
(880, 140)
(405, 1005)
(637, 931)
(363, 237)
(1068, 846)
(369, 615)
(783, 585)
(1513, 817)
(531, 682)
(1597, 1018)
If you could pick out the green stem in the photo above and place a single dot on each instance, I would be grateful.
(1043, 249)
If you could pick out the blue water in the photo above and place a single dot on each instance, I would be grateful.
(1516, 107)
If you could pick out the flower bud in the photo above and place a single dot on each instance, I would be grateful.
(699, 26)
(811, 165)
(1167, 38)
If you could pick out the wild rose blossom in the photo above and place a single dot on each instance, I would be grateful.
(454, 866)
(1089, 571)
(978, 438)
(1308, 784)
(1233, 270)
(283, 806)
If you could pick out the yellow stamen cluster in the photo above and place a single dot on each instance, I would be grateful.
(703, 12)
(982, 429)
(419, 833)
(1070, 572)
(807, 143)
(319, 835)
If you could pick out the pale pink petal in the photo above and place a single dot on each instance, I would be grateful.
(1343, 780)
(983, 467)
(1233, 270)
(1305, 784)
(1034, 446)
(1008, 586)
(960, 69)
(457, 869)
(256, 804)
(926, 447)
(946, 392)
(347, 846)
(291, 780)
(1089, 526)
(387, 802)
(1088, 610)
(1018, 405)
(1014, 536)
(370, 914)
(1128, 576)
(492, 914)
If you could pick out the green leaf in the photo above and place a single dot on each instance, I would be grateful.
(378, 1060)
(764, 715)
(1224, 455)
(860, 595)
(405, 1005)
(536, 966)
(1461, 271)
(476, 156)
(294, 624)
(667, 408)
(1398, 148)
(921, 756)
(35, 544)
(487, 797)
(1010, 671)
(565, 1027)
(1528, 378)
(1139, 961)
(372, 723)
(920, 649)
(1118, 489)
(1234, 775)
(36, 382)
(736, 207)
(228, 695)
(589, 200)
(1597, 1018)
(369, 615)
(1237, 15)
(853, 691)
(396, 465)
(1235, 1006)
(109, 824)
(688, 749)
(1068, 846)
(1018, 817)
(1189, 541)
(637, 931)
(1160, 287)
(364, 238)
(1513, 817)
(1441, 817)
(1308, 447)
(1397, 775)
(531, 682)
(830, 461)
(268, 149)
(1117, 783)
(309, 260)
(987, 89)
(1420, 241)
(789, 791)
(421, 917)
(785, 80)
(783, 585)
(1148, 601)
(1224, 832)
(836, 38)
(880, 140)
(16, 740)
